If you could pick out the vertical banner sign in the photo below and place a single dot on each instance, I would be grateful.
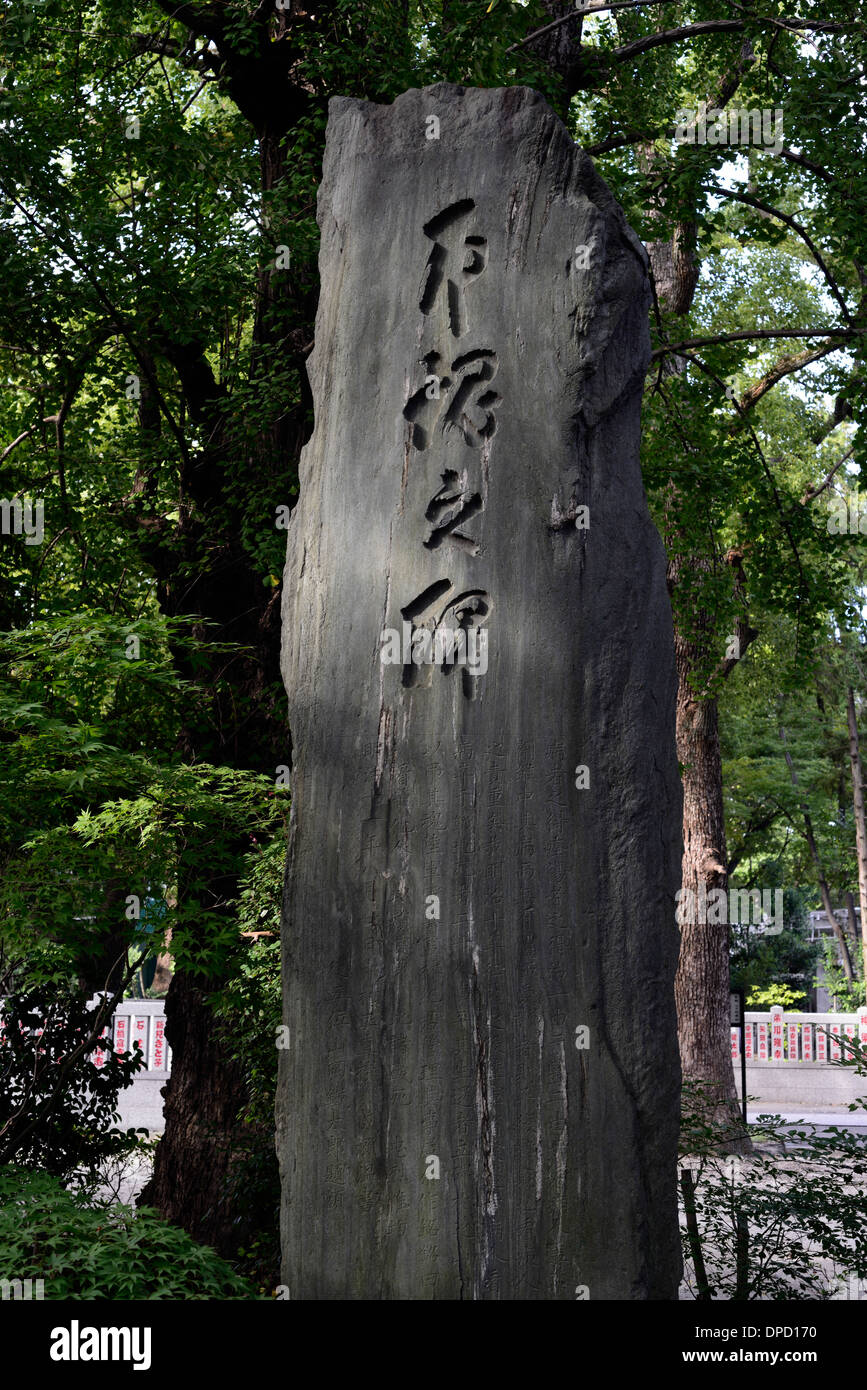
(485, 828)
(835, 1046)
(121, 1033)
(158, 1044)
(140, 1034)
(777, 1033)
(738, 1021)
(807, 1042)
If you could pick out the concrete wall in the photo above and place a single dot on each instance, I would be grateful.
(811, 1086)
(141, 1104)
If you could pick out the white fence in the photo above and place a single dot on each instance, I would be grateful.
(140, 1023)
(137, 1023)
(789, 1039)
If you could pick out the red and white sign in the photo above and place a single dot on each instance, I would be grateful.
(793, 1042)
(777, 1035)
(158, 1045)
(99, 1055)
(140, 1034)
(121, 1033)
(835, 1046)
(807, 1041)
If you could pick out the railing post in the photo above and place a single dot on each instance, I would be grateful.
(792, 1048)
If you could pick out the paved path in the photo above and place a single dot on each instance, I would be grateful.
(855, 1120)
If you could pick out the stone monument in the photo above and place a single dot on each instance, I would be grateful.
(478, 1093)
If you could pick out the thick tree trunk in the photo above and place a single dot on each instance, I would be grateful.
(703, 975)
(858, 805)
(190, 1177)
(203, 1131)
(703, 979)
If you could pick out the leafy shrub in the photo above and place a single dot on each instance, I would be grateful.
(83, 1251)
(765, 999)
(786, 1221)
(846, 998)
(56, 1106)
(248, 1012)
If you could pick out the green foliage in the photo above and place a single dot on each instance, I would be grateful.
(846, 998)
(776, 995)
(84, 1251)
(774, 967)
(92, 807)
(248, 1012)
(776, 1224)
(57, 1108)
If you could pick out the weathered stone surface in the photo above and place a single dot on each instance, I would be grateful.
(457, 909)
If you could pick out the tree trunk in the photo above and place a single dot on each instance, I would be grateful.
(703, 976)
(852, 918)
(189, 1180)
(858, 805)
(205, 1093)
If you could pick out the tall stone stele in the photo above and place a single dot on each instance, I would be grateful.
(478, 1095)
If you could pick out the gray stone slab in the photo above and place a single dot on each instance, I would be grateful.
(479, 1099)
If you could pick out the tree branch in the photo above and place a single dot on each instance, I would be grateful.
(756, 333)
(21, 437)
(807, 164)
(665, 36)
(813, 492)
(796, 227)
(118, 319)
(778, 501)
(784, 366)
(581, 12)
